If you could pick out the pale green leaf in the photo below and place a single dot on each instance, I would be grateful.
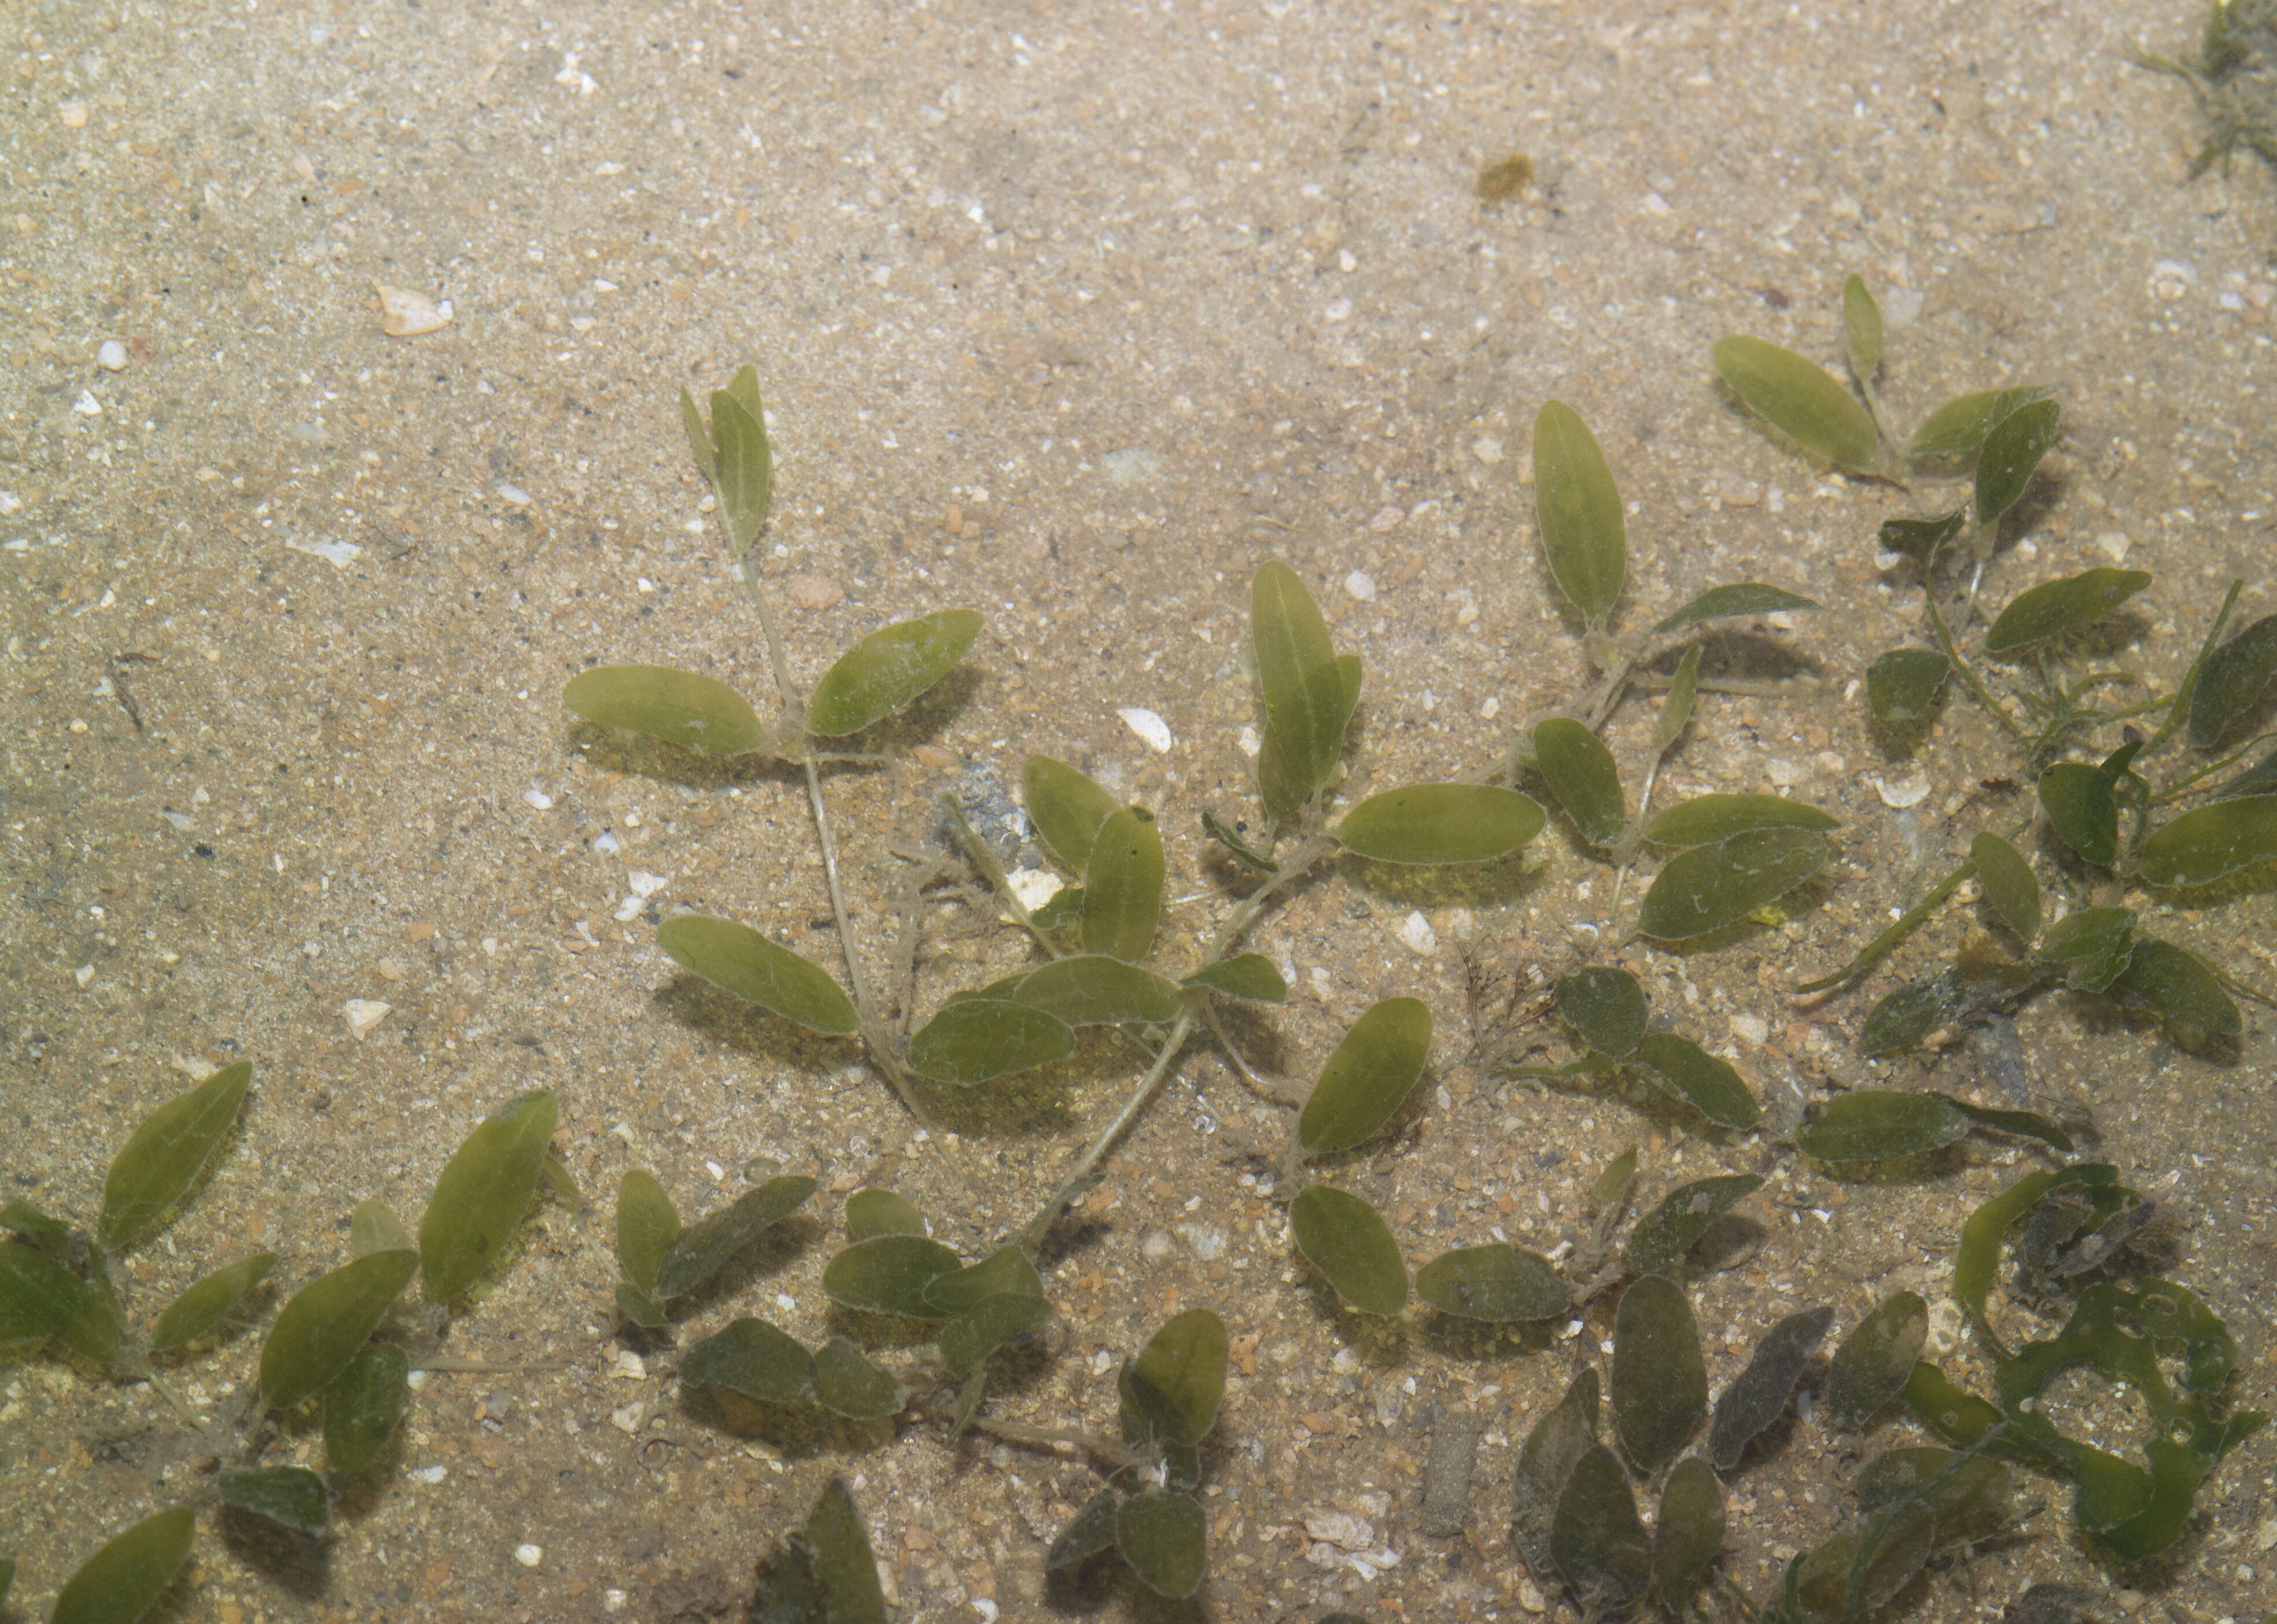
(1346, 1239)
(1902, 685)
(1704, 888)
(888, 1274)
(1605, 1006)
(1958, 428)
(206, 1303)
(1707, 1081)
(1367, 1077)
(752, 1358)
(1309, 694)
(292, 1497)
(163, 1156)
(1093, 990)
(647, 1224)
(1874, 1124)
(1497, 1284)
(678, 707)
(1706, 818)
(1123, 886)
(2212, 842)
(1801, 400)
(973, 1041)
(1250, 976)
(1431, 824)
(319, 1330)
(702, 1249)
(483, 1192)
(1862, 326)
(738, 960)
(743, 469)
(363, 1405)
(1745, 599)
(1066, 807)
(889, 670)
(2061, 605)
(1165, 1539)
(124, 1580)
(2232, 678)
(1659, 1384)
(1584, 777)
(1584, 533)
(374, 1227)
(882, 1212)
(2012, 454)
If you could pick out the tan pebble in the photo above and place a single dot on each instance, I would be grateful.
(391, 969)
(73, 114)
(1738, 492)
(1387, 518)
(405, 314)
(423, 931)
(933, 756)
(815, 592)
(1530, 1598)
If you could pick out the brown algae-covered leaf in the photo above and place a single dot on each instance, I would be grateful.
(1554, 1445)
(1688, 1533)
(2212, 842)
(1874, 1361)
(981, 1329)
(1250, 976)
(738, 960)
(1584, 533)
(1346, 1239)
(974, 1040)
(2232, 680)
(678, 707)
(1307, 693)
(363, 1405)
(743, 466)
(1903, 685)
(1861, 326)
(1921, 539)
(699, 1251)
(2091, 946)
(2061, 606)
(1707, 1083)
(882, 1212)
(2082, 809)
(1741, 599)
(1583, 776)
(888, 1274)
(752, 1358)
(124, 1580)
(1234, 845)
(847, 1384)
(1090, 1532)
(291, 1496)
(647, 1224)
(2008, 883)
(1165, 1540)
(374, 1227)
(2011, 455)
(1066, 807)
(1498, 1283)
(2175, 985)
(1123, 886)
(163, 1156)
(1671, 1229)
(1869, 1561)
(1007, 1270)
(1611, 1189)
(319, 1330)
(1968, 1497)
(208, 1302)
(1705, 819)
(1975, 982)
(1660, 1377)
(1874, 1124)
(1433, 823)
(1757, 1396)
(844, 1566)
(1958, 428)
(1367, 1077)
(1605, 1006)
(1596, 1539)
(889, 671)
(1171, 1390)
(482, 1193)
(1093, 990)
(1801, 400)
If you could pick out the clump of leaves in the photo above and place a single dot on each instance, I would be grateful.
(2234, 80)
(1605, 1008)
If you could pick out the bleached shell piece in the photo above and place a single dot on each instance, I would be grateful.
(404, 314)
(363, 1015)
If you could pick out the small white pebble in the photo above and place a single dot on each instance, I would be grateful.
(519, 497)
(1250, 743)
(1361, 586)
(405, 314)
(628, 1365)
(539, 799)
(1491, 709)
(529, 1555)
(1486, 448)
(1416, 933)
(1156, 1245)
(2113, 544)
(429, 1474)
(1148, 726)
(86, 405)
(112, 356)
(985, 1608)
(1466, 613)
(647, 885)
(1905, 793)
(83, 974)
(1387, 518)
(363, 1015)
(1750, 1029)
(1945, 1324)
(612, 1601)
(1033, 887)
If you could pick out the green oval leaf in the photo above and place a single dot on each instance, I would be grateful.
(2211, 842)
(1659, 1377)
(164, 1155)
(1605, 1006)
(1006, 1272)
(1584, 532)
(1688, 1534)
(843, 1566)
(1875, 1361)
(2232, 678)
(736, 959)
(1499, 1284)
(1346, 1239)
(43, 1230)
(888, 1274)
(1428, 823)
(1062, 910)
(1584, 777)
(888, 670)
(483, 1193)
(743, 463)
(753, 1358)
(121, 1582)
(2008, 884)
(699, 435)
(1705, 1081)
(978, 1040)
(2090, 946)
(882, 1212)
(1123, 886)
(291, 1496)
(1165, 1540)
(1758, 1395)
(1875, 1123)
(2012, 454)
(1554, 1445)
(374, 1227)
(1742, 599)
(1596, 1539)
(1801, 400)
(1958, 428)
(1921, 539)
(1093, 990)
(1862, 326)
(2055, 606)
(2081, 811)
(1705, 819)
(1066, 807)
(363, 1405)
(205, 1304)
(40, 1298)
(647, 1224)
(1171, 1393)
(1704, 888)
(638, 1308)
(1367, 1077)
(1309, 695)
(700, 1250)
(678, 707)
(1664, 1234)
(848, 1384)
(1969, 1498)
(1092, 1531)
(1902, 685)
(1245, 975)
(1675, 706)
(319, 1330)
(981, 1329)
(2177, 987)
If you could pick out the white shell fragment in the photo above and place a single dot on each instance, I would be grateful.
(1148, 726)
(1417, 936)
(405, 314)
(363, 1015)
(112, 356)
(538, 800)
(340, 555)
(1909, 792)
(529, 1555)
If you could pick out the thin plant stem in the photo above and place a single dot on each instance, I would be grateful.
(1881, 946)
(2181, 705)
(1984, 695)
(866, 1008)
(794, 702)
(1051, 1438)
(985, 859)
(1073, 1185)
